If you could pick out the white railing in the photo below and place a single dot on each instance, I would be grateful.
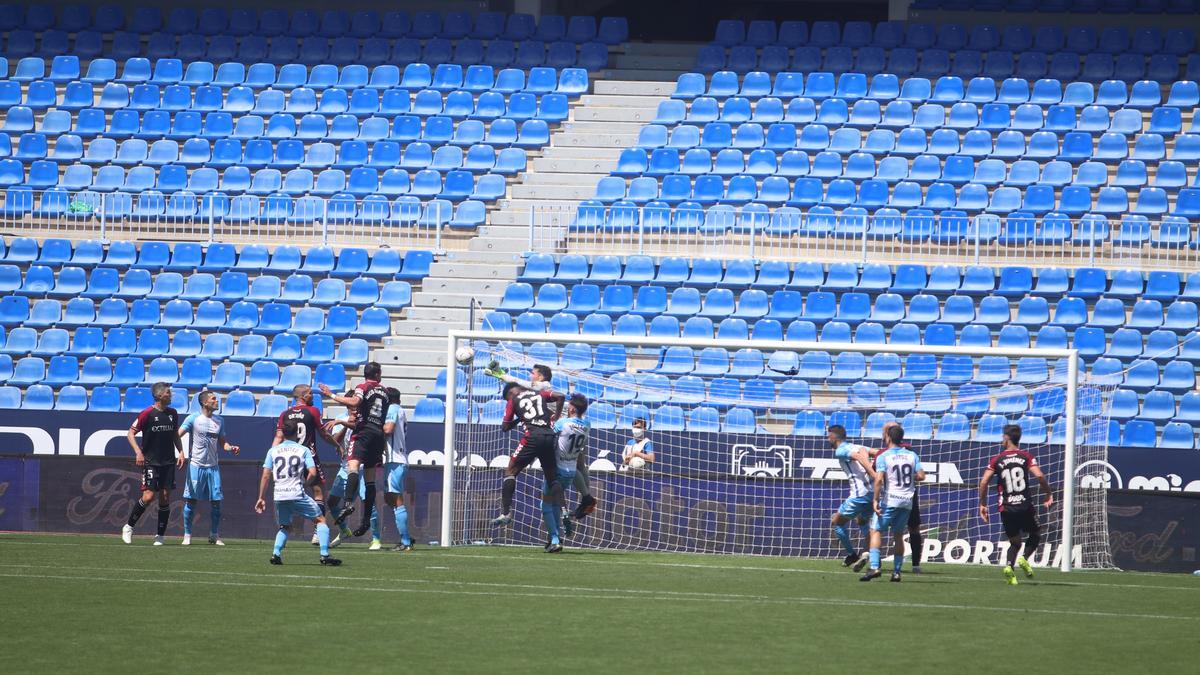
(400, 223)
(794, 234)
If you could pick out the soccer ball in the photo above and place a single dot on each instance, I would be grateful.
(636, 463)
(464, 355)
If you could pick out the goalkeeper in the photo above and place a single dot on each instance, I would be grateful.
(540, 380)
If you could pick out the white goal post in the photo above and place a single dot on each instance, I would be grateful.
(764, 507)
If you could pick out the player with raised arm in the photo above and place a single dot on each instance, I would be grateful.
(159, 426)
(204, 475)
(369, 443)
(856, 464)
(897, 472)
(571, 440)
(291, 465)
(342, 431)
(535, 411)
(1012, 468)
(396, 493)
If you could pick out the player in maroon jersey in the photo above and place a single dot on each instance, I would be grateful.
(535, 411)
(308, 428)
(1012, 468)
(159, 426)
(370, 403)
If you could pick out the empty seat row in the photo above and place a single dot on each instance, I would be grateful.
(107, 398)
(906, 279)
(852, 308)
(185, 343)
(71, 282)
(193, 372)
(907, 62)
(950, 89)
(1015, 37)
(1071, 146)
(871, 114)
(304, 23)
(160, 124)
(347, 263)
(209, 315)
(925, 168)
(1125, 344)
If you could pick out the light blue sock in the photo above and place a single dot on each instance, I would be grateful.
(549, 517)
(375, 529)
(844, 537)
(189, 513)
(280, 541)
(402, 525)
(215, 517)
(323, 538)
(897, 562)
(874, 558)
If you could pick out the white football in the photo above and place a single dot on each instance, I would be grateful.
(637, 463)
(464, 355)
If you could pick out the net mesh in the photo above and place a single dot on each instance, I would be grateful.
(741, 460)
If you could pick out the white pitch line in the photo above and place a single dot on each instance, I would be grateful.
(615, 594)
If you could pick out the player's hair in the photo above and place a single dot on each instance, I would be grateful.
(544, 371)
(511, 389)
(300, 390)
(203, 396)
(838, 430)
(580, 403)
(373, 371)
(1013, 433)
(642, 420)
(158, 388)
(290, 429)
(895, 434)
(393, 395)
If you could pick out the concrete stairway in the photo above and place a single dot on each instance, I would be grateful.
(582, 151)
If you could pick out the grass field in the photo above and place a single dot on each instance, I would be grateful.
(74, 604)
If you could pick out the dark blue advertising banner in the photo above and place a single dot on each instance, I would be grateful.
(85, 434)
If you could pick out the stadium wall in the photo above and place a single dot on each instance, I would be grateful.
(70, 472)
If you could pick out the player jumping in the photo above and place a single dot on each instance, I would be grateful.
(308, 427)
(290, 464)
(342, 431)
(159, 426)
(1013, 467)
(535, 411)
(856, 463)
(570, 443)
(369, 443)
(899, 469)
(204, 475)
(396, 493)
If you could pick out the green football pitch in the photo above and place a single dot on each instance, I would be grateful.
(91, 604)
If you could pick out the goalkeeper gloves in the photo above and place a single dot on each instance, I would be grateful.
(495, 370)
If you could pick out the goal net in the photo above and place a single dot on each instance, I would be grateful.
(741, 461)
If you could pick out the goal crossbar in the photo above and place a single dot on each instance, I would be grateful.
(1070, 410)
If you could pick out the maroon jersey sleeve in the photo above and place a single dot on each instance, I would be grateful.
(510, 412)
(141, 419)
(282, 416)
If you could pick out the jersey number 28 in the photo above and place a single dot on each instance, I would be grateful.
(287, 467)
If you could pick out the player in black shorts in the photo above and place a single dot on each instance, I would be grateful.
(158, 456)
(1013, 468)
(535, 412)
(370, 403)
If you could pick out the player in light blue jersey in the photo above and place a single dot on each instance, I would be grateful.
(855, 461)
(571, 439)
(397, 494)
(897, 472)
(291, 465)
(204, 476)
(337, 491)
